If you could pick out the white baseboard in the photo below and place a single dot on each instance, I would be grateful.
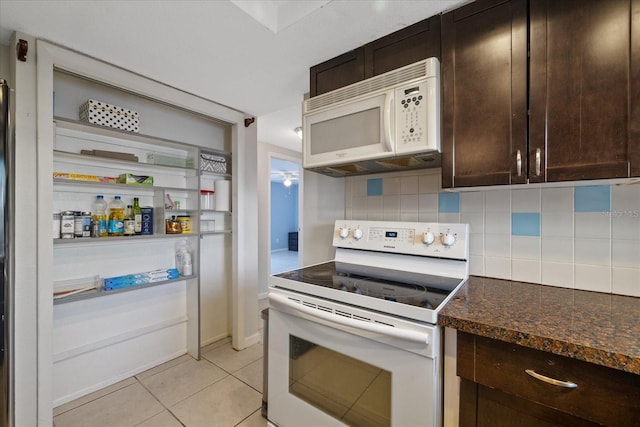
(96, 345)
(95, 387)
(213, 339)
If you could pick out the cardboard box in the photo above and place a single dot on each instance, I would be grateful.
(129, 178)
(147, 221)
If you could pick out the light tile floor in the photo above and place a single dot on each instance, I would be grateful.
(284, 261)
(223, 388)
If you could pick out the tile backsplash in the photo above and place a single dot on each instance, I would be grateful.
(583, 237)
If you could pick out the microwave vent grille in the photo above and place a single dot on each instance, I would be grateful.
(426, 68)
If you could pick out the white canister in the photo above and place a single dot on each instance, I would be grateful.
(222, 189)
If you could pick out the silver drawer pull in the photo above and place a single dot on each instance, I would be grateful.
(548, 380)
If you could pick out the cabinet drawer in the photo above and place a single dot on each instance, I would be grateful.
(604, 395)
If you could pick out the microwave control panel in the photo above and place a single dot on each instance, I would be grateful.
(415, 104)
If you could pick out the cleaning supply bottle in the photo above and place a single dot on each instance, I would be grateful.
(99, 218)
(137, 215)
(116, 217)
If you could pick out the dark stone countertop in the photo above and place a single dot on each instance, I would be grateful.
(595, 327)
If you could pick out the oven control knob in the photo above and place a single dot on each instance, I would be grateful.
(428, 237)
(357, 234)
(448, 239)
(344, 232)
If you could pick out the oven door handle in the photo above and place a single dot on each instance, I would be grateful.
(377, 328)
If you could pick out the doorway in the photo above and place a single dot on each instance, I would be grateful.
(284, 214)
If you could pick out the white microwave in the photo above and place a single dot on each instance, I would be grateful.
(361, 127)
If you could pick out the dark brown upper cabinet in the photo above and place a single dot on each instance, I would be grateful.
(403, 47)
(583, 97)
(584, 90)
(484, 78)
(338, 72)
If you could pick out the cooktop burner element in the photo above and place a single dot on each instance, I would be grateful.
(405, 269)
(328, 276)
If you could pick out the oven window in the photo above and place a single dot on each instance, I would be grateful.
(352, 391)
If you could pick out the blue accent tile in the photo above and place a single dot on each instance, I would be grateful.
(525, 224)
(449, 202)
(595, 198)
(374, 187)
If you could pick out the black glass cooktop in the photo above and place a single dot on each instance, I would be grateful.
(429, 293)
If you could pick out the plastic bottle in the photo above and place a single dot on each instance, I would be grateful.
(184, 260)
(116, 217)
(129, 222)
(99, 218)
(187, 266)
(137, 215)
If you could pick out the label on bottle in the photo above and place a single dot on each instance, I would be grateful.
(116, 226)
(103, 231)
(138, 223)
(129, 227)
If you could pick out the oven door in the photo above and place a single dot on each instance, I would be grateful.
(324, 371)
(358, 130)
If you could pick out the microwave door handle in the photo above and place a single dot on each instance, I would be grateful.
(403, 334)
(388, 117)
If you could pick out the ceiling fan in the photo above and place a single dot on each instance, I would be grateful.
(287, 178)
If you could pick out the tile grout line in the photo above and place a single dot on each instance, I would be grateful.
(159, 401)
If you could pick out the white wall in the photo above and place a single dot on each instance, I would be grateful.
(323, 203)
(585, 236)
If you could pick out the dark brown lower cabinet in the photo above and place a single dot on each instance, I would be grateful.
(497, 391)
(488, 407)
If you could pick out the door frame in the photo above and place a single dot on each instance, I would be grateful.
(298, 161)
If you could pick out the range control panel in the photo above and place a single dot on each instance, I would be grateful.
(441, 240)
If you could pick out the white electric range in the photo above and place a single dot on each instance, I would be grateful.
(354, 341)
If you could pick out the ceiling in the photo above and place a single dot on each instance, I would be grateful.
(253, 56)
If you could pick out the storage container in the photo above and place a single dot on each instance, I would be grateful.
(207, 201)
(213, 163)
(113, 116)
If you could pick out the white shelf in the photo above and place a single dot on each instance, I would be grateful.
(206, 233)
(65, 123)
(117, 240)
(114, 185)
(103, 293)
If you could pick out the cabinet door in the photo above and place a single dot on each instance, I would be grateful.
(580, 90)
(484, 75)
(338, 72)
(406, 46)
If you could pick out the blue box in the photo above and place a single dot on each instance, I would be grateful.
(147, 221)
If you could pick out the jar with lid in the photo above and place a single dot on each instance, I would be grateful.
(56, 224)
(206, 200)
(82, 224)
(67, 224)
(185, 223)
